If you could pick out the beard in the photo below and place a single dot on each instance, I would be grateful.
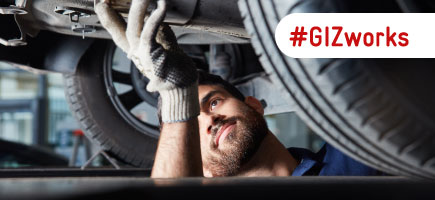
(240, 144)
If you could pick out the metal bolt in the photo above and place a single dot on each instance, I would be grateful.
(74, 13)
(83, 29)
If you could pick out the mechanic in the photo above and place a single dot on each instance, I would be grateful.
(208, 128)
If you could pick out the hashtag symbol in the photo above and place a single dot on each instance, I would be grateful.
(298, 36)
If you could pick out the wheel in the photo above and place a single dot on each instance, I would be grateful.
(422, 6)
(107, 96)
(378, 111)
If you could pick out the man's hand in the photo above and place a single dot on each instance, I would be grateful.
(154, 50)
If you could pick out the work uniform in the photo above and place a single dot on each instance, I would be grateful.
(329, 161)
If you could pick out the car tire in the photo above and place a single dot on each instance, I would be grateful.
(378, 111)
(91, 104)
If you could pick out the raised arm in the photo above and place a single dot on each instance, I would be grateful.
(153, 48)
(178, 152)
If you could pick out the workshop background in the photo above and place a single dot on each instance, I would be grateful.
(34, 112)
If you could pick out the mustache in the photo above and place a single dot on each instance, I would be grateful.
(220, 123)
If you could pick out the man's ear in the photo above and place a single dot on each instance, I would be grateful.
(255, 104)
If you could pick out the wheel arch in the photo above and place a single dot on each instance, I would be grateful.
(48, 52)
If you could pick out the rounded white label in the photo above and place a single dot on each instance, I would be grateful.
(356, 35)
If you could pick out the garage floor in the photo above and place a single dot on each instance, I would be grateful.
(115, 184)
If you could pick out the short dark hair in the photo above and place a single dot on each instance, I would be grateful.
(205, 78)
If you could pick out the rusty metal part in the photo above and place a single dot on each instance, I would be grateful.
(83, 29)
(179, 11)
(74, 13)
(122, 6)
(17, 9)
(202, 15)
(193, 21)
(12, 10)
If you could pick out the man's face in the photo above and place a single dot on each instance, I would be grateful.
(230, 130)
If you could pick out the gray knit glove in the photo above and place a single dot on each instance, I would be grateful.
(154, 50)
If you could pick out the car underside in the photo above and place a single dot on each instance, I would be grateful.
(378, 111)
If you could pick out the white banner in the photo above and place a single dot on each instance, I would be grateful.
(357, 35)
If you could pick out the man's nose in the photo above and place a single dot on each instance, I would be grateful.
(214, 120)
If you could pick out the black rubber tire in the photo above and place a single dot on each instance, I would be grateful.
(89, 102)
(377, 111)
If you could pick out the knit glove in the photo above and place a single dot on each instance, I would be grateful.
(154, 50)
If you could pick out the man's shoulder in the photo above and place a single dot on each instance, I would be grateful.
(329, 161)
(338, 164)
(309, 163)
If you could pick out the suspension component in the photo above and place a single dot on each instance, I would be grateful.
(14, 9)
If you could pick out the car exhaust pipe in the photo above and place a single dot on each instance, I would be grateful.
(221, 17)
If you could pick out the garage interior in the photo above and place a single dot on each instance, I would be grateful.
(76, 120)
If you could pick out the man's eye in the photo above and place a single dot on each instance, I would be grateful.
(214, 103)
